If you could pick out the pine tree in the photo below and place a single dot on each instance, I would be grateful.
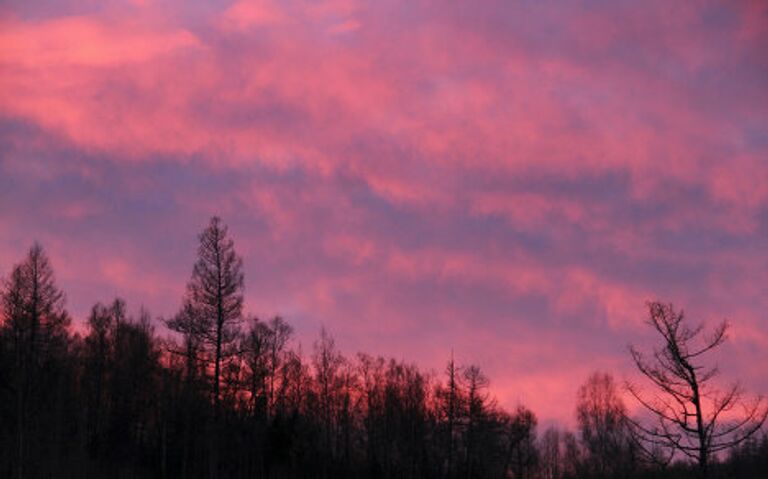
(215, 293)
(36, 322)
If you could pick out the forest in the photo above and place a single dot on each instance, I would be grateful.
(212, 392)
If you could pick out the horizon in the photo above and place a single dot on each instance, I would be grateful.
(512, 182)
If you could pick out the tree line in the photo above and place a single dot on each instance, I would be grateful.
(221, 394)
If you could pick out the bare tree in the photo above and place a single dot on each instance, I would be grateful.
(33, 308)
(450, 405)
(476, 384)
(572, 455)
(327, 362)
(279, 335)
(522, 455)
(97, 357)
(255, 353)
(215, 293)
(188, 323)
(692, 416)
(371, 374)
(601, 414)
(551, 456)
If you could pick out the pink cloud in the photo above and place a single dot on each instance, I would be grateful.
(402, 173)
(86, 42)
(242, 15)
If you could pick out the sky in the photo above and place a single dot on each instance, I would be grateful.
(510, 180)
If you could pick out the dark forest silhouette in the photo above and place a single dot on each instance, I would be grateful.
(223, 395)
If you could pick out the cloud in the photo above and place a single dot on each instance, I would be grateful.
(86, 42)
(508, 180)
(243, 15)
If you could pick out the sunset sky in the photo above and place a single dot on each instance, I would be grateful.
(512, 180)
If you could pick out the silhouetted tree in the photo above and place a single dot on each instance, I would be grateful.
(189, 324)
(572, 456)
(117, 401)
(255, 352)
(688, 409)
(522, 455)
(215, 293)
(34, 327)
(371, 377)
(601, 414)
(476, 385)
(749, 459)
(134, 384)
(120, 383)
(97, 356)
(450, 404)
(279, 333)
(550, 454)
(327, 361)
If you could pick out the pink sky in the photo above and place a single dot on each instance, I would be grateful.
(510, 180)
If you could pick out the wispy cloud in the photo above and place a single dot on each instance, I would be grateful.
(493, 177)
